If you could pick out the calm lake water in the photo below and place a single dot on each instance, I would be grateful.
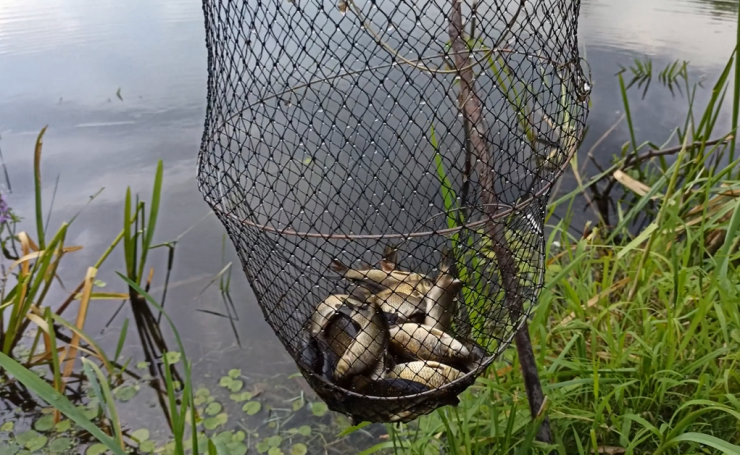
(62, 63)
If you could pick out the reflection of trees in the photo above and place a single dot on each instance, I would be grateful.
(722, 8)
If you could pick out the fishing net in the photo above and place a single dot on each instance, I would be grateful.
(382, 168)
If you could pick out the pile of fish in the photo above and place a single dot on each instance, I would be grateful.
(388, 336)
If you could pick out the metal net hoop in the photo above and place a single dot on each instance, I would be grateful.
(299, 88)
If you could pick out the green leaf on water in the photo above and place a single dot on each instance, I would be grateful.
(305, 430)
(223, 437)
(199, 400)
(319, 409)
(140, 435)
(275, 451)
(147, 446)
(202, 392)
(307, 161)
(295, 375)
(236, 385)
(215, 422)
(298, 449)
(298, 404)
(45, 423)
(213, 408)
(274, 441)
(252, 407)
(239, 436)
(225, 381)
(27, 436)
(36, 443)
(60, 445)
(173, 357)
(142, 365)
(235, 373)
(236, 448)
(239, 397)
(100, 284)
(262, 447)
(126, 392)
(9, 448)
(7, 426)
(62, 426)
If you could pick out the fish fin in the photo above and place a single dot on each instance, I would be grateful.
(337, 266)
(447, 264)
(390, 258)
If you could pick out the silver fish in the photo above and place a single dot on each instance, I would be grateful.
(387, 279)
(325, 310)
(431, 374)
(426, 343)
(405, 307)
(369, 348)
(385, 387)
(440, 299)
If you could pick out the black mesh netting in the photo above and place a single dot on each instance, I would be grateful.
(382, 168)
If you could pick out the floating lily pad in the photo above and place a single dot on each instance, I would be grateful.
(36, 443)
(297, 404)
(225, 381)
(272, 424)
(7, 426)
(224, 437)
(214, 422)
(274, 441)
(45, 423)
(213, 408)
(173, 357)
(126, 392)
(199, 400)
(62, 426)
(304, 430)
(252, 407)
(235, 373)
(239, 436)
(239, 397)
(9, 448)
(319, 409)
(89, 412)
(262, 447)
(26, 436)
(236, 448)
(298, 449)
(147, 446)
(59, 445)
(96, 449)
(275, 451)
(202, 392)
(140, 435)
(236, 385)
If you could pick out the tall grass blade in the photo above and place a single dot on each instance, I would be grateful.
(106, 397)
(153, 214)
(80, 324)
(37, 188)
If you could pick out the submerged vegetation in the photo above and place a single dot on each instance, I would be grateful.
(636, 333)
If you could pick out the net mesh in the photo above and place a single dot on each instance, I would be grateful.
(382, 169)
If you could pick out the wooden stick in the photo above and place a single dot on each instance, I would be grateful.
(472, 110)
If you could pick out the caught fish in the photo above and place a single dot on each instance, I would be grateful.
(431, 374)
(389, 262)
(402, 307)
(385, 387)
(426, 343)
(369, 348)
(318, 358)
(440, 300)
(386, 279)
(339, 333)
(325, 310)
